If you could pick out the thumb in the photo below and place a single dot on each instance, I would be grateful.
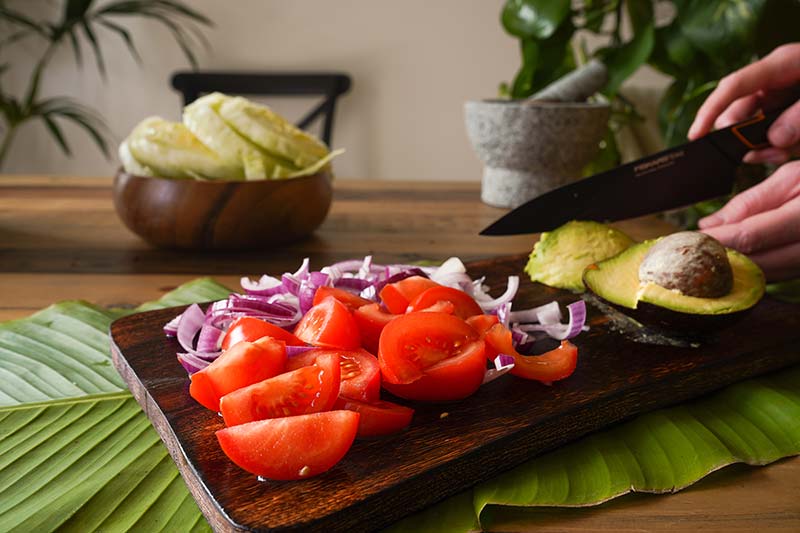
(782, 186)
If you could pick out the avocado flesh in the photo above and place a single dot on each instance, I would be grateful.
(616, 280)
(560, 256)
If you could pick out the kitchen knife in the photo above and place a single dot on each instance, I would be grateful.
(677, 177)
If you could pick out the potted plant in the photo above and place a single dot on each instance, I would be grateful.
(80, 20)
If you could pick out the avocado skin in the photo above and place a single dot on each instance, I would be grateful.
(623, 269)
(670, 321)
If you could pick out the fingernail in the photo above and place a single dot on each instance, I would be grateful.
(692, 131)
(783, 135)
(750, 157)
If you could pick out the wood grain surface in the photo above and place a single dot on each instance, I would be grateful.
(61, 239)
(505, 423)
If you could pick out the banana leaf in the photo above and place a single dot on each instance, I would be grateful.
(77, 453)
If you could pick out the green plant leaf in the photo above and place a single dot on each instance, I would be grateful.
(725, 30)
(98, 52)
(534, 19)
(125, 36)
(89, 464)
(672, 52)
(754, 422)
(626, 59)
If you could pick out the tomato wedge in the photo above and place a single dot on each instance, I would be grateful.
(360, 373)
(329, 324)
(251, 329)
(294, 447)
(398, 295)
(310, 389)
(378, 418)
(464, 305)
(371, 320)
(350, 300)
(453, 378)
(482, 324)
(411, 343)
(242, 364)
(554, 365)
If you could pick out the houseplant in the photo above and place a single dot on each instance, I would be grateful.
(81, 23)
(696, 44)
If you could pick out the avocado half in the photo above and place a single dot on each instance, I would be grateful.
(616, 280)
(560, 256)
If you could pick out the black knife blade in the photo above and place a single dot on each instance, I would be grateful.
(677, 177)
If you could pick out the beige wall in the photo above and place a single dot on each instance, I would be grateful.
(413, 64)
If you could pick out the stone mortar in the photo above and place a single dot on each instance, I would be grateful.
(530, 148)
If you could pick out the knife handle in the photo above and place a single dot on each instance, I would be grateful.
(753, 133)
(735, 141)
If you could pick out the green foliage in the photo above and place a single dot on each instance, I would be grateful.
(81, 21)
(701, 43)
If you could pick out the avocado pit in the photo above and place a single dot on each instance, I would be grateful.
(692, 263)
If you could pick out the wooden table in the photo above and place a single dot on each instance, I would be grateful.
(61, 239)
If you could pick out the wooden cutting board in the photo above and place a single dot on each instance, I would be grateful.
(448, 447)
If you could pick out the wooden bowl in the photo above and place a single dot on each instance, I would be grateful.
(220, 215)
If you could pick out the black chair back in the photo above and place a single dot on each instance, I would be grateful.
(330, 85)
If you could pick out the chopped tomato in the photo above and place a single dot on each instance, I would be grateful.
(442, 306)
(482, 324)
(454, 378)
(465, 305)
(371, 320)
(329, 324)
(293, 447)
(411, 343)
(431, 356)
(554, 365)
(310, 389)
(360, 373)
(352, 301)
(241, 365)
(398, 295)
(379, 417)
(251, 329)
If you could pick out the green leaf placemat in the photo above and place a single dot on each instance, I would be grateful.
(76, 452)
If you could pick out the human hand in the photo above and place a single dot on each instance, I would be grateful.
(769, 82)
(764, 223)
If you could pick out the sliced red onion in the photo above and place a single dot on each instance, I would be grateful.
(171, 327)
(291, 283)
(265, 286)
(577, 320)
(192, 363)
(191, 321)
(210, 338)
(502, 364)
(506, 297)
(352, 284)
(547, 311)
(260, 303)
(319, 279)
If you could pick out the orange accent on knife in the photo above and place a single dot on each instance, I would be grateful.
(758, 118)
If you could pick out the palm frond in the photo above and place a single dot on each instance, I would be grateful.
(73, 111)
(76, 46)
(164, 7)
(56, 132)
(125, 36)
(98, 53)
(75, 10)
